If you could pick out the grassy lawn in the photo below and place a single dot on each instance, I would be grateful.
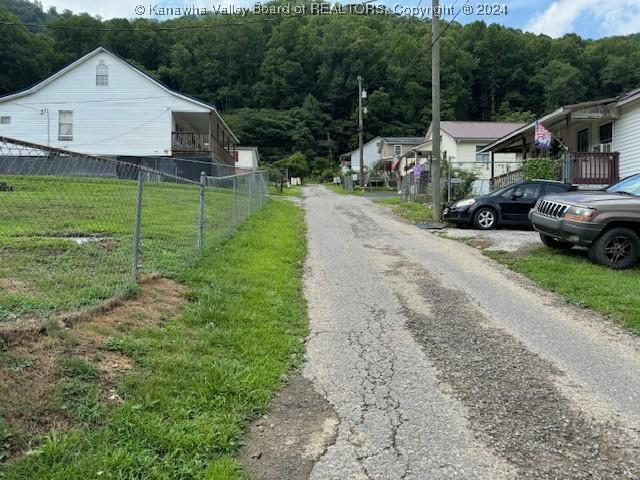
(411, 211)
(294, 191)
(42, 269)
(581, 282)
(343, 191)
(199, 377)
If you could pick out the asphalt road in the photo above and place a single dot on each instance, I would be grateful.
(441, 364)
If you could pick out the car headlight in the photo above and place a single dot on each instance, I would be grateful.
(465, 203)
(580, 214)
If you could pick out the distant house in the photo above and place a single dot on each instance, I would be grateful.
(370, 155)
(247, 158)
(461, 145)
(599, 141)
(103, 105)
(392, 147)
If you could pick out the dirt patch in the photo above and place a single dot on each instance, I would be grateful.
(295, 433)
(13, 285)
(34, 366)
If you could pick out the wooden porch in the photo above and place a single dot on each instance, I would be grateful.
(593, 168)
(202, 142)
(579, 168)
(203, 134)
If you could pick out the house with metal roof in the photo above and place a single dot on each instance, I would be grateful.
(461, 144)
(598, 141)
(102, 104)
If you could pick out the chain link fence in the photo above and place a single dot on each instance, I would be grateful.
(76, 230)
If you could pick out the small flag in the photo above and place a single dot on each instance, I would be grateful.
(394, 164)
(542, 136)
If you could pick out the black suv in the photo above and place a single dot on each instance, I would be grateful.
(507, 206)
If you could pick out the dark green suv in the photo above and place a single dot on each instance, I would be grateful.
(606, 221)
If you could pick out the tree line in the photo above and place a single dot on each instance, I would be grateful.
(289, 84)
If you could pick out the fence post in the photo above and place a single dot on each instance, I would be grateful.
(233, 203)
(260, 188)
(136, 228)
(250, 182)
(203, 183)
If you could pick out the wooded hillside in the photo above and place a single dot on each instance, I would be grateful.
(289, 83)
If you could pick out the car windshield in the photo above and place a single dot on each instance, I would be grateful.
(629, 186)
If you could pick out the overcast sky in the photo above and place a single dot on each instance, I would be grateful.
(588, 18)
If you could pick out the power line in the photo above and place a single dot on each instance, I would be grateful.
(268, 18)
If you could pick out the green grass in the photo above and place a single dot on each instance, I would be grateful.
(581, 282)
(48, 272)
(201, 376)
(295, 191)
(343, 191)
(411, 211)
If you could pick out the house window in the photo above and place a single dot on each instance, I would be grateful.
(606, 133)
(5, 120)
(397, 150)
(583, 140)
(65, 125)
(482, 157)
(102, 74)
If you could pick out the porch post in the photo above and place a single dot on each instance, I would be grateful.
(493, 168)
(211, 147)
(524, 149)
(568, 141)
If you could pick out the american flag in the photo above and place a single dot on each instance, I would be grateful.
(542, 136)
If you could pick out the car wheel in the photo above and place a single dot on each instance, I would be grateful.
(485, 218)
(616, 248)
(551, 242)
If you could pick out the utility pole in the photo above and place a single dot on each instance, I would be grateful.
(435, 108)
(360, 132)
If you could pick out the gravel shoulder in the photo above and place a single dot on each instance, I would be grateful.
(441, 364)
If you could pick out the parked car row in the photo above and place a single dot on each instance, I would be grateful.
(606, 221)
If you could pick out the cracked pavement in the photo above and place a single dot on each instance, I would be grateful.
(441, 364)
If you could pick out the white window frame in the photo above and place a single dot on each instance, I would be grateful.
(482, 157)
(102, 74)
(69, 135)
(5, 120)
(397, 150)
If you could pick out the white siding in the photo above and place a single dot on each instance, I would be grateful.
(370, 154)
(247, 158)
(129, 116)
(626, 139)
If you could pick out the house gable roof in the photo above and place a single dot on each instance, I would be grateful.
(403, 140)
(478, 130)
(54, 76)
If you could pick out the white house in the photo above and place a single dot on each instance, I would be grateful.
(247, 158)
(461, 144)
(370, 154)
(103, 105)
(601, 139)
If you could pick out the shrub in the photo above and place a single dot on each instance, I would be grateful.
(542, 168)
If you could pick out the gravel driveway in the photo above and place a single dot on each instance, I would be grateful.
(441, 364)
(503, 239)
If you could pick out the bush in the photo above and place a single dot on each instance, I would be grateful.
(460, 191)
(296, 163)
(541, 168)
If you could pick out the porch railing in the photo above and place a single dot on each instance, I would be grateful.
(198, 142)
(507, 178)
(190, 141)
(594, 168)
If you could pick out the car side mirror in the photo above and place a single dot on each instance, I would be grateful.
(516, 195)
